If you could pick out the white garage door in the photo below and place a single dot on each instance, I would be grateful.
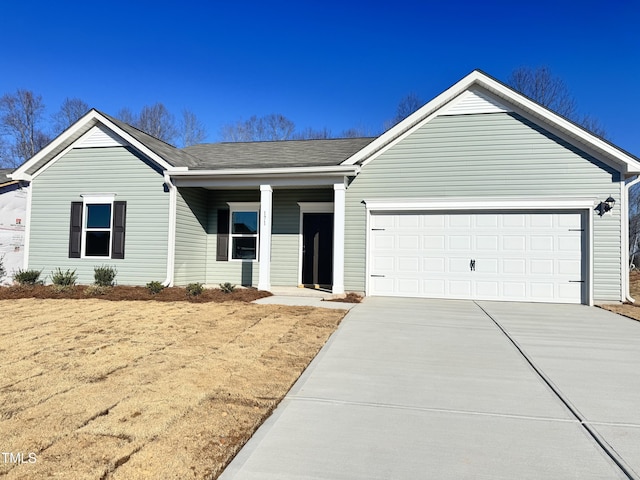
(521, 256)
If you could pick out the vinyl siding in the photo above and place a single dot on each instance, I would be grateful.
(234, 271)
(116, 170)
(285, 246)
(487, 155)
(191, 235)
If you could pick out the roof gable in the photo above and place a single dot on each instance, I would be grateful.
(480, 93)
(97, 126)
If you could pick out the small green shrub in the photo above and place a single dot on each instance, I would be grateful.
(28, 277)
(194, 289)
(93, 290)
(64, 279)
(227, 287)
(155, 287)
(104, 276)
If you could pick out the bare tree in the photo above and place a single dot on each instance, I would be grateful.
(158, 122)
(71, 111)
(127, 116)
(268, 128)
(192, 131)
(313, 134)
(21, 115)
(541, 85)
(406, 106)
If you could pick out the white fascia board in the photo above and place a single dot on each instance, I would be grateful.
(89, 120)
(571, 131)
(449, 204)
(277, 177)
(265, 172)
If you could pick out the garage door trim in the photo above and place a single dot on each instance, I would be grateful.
(453, 204)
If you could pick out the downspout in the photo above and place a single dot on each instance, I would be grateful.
(627, 188)
(171, 241)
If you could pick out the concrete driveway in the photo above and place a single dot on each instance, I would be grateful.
(446, 389)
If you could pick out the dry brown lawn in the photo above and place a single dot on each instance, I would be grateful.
(628, 309)
(133, 390)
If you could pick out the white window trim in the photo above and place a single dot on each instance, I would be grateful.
(243, 207)
(93, 199)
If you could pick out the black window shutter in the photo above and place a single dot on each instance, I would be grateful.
(119, 223)
(75, 230)
(222, 250)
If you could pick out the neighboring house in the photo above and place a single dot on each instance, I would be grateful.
(13, 210)
(482, 193)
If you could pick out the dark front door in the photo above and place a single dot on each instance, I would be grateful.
(317, 249)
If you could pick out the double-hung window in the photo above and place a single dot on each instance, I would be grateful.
(243, 228)
(97, 227)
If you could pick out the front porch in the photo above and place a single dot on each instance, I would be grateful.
(263, 235)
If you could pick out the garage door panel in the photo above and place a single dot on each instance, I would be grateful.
(514, 243)
(570, 267)
(569, 243)
(541, 243)
(542, 290)
(460, 288)
(514, 220)
(383, 241)
(409, 241)
(542, 267)
(486, 243)
(542, 220)
(488, 289)
(460, 243)
(433, 242)
(530, 256)
(459, 221)
(514, 266)
(408, 265)
(409, 221)
(434, 265)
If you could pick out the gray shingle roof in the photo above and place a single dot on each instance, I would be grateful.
(287, 153)
(170, 154)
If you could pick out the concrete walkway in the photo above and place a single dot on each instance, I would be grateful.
(410, 388)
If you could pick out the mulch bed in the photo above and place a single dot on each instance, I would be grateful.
(349, 298)
(121, 292)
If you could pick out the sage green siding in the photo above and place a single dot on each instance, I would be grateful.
(191, 235)
(239, 272)
(116, 170)
(285, 240)
(487, 155)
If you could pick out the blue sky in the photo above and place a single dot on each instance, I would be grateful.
(319, 63)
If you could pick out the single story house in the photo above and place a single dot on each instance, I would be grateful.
(480, 194)
(13, 209)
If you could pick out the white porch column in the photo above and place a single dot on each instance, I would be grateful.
(266, 203)
(338, 237)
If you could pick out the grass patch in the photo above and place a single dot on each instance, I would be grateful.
(125, 390)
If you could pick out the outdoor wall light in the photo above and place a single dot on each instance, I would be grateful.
(606, 206)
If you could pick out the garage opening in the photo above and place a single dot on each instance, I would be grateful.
(536, 256)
